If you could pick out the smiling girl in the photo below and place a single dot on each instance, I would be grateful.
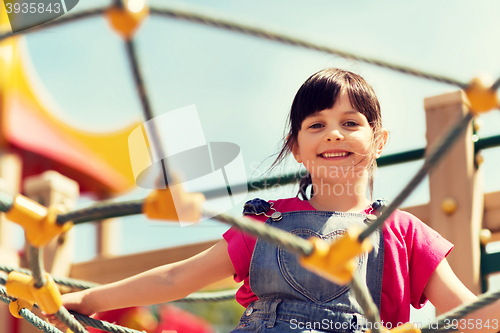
(335, 131)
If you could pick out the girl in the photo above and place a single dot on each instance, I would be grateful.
(336, 133)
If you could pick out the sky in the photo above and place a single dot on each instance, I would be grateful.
(243, 86)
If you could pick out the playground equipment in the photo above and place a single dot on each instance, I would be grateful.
(456, 205)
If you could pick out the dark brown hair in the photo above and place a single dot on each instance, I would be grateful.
(320, 92)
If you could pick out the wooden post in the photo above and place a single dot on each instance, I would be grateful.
(52, 188)
(10, 179)
(456, 206)
(108, 238)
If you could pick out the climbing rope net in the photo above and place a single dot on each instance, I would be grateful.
(35, 287)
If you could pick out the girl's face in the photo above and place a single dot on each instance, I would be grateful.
(336, 142)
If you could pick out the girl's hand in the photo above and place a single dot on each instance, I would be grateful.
(78, 302)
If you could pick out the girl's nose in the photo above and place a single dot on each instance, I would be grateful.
(334, 135)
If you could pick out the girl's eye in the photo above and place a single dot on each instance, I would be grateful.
(317, 125)
(350, 124)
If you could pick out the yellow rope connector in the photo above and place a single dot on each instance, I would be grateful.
(335, 261)
(39, 222)
(22, 286)
(173, 204)
(481, 98)
(479, 159)
(126, 20)
(16, 305)
(485, 236)
(449, 205)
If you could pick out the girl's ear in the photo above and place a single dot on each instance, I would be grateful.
(383, 136)
(294, 148)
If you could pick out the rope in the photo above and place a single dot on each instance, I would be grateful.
(6, 202)
(80, 284)
(366, 302)
(102, 325)
(232, 24)
(59, 21)
(276, 236)
(69, 282)
(146, 107)
(28, 315)
(102, 211)
(434, 156)
(139, 82)
(3, 290)
(462, 311)
(35, 260)
(39, 323)
(218, 296)
(236, 25)
(496, 85)
(67, 319)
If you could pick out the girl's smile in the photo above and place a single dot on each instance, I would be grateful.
(334, 154)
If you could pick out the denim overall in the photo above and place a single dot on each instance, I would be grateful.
(293, 299)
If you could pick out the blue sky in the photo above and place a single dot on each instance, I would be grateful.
(243, 86)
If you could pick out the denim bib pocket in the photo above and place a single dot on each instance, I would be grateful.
(310, 285)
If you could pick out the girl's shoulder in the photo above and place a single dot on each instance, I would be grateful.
(404, 218)
(408, 225)
(290, 205)
(258, 207)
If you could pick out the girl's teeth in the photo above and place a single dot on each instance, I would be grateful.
(335, 154)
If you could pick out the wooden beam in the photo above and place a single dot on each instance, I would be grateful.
(491, 217)
(52, 188)
(113, 268)
(495, 237)
(10, 180)
(106, 270)
(492, 211)
(107, 236)
(456, 178)
(420, 211)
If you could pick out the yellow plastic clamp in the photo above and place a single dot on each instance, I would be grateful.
(160, 205)
(16, 305)
(39, 222)
(22, 286)
(126, 20)
(481, 98)
(335, 261)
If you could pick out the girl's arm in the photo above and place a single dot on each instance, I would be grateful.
(162, 284)
(446, 292)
